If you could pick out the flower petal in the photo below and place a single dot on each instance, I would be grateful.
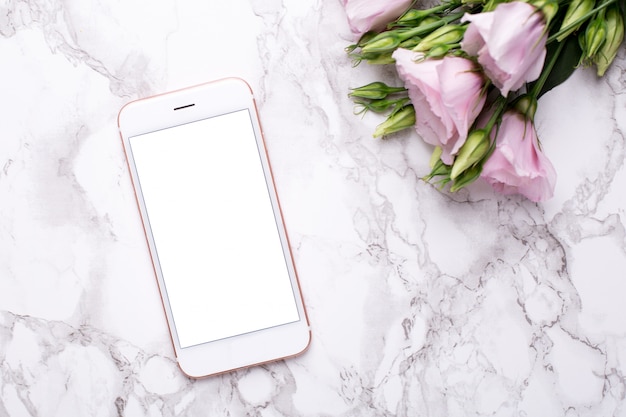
(517, 165)
(366, 15)
(509, 42)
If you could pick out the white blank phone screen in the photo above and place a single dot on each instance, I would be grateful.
(214, 228)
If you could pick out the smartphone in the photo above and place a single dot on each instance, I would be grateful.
(214, 227)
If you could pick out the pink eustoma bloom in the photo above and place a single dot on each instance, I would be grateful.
(510, 43)
(366, 15)
(448, 94)
(517, 165)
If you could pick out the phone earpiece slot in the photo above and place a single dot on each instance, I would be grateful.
(184, 107)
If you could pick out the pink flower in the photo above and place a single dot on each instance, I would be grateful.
(448, 95)
(366, 15)
(517, 165)
(510, 43)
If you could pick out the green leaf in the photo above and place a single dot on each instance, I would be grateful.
(566, 63)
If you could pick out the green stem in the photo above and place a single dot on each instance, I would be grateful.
(501, 104)
(546, 72)
(444, 6)
(451, 5)
(430, 27)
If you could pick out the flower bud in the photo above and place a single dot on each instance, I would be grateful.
(549, 8)
(379, 106)
(365, 38)
(430, 20)
(385, 42)
(409, 43)
(466, 178)
(375, 91)
(593, 38)
(474, 149)
(576, 10)
(526, 105)
(436, 156)
(397, 121)
(438, 169)
(614, 37)
(412, 16)
(438, 51)
(380, 59)
(445, 35)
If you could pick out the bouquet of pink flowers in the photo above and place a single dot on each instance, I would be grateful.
(473, 71)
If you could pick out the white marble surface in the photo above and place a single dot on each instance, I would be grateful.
(422, 303)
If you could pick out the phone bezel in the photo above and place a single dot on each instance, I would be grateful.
(173, 109)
